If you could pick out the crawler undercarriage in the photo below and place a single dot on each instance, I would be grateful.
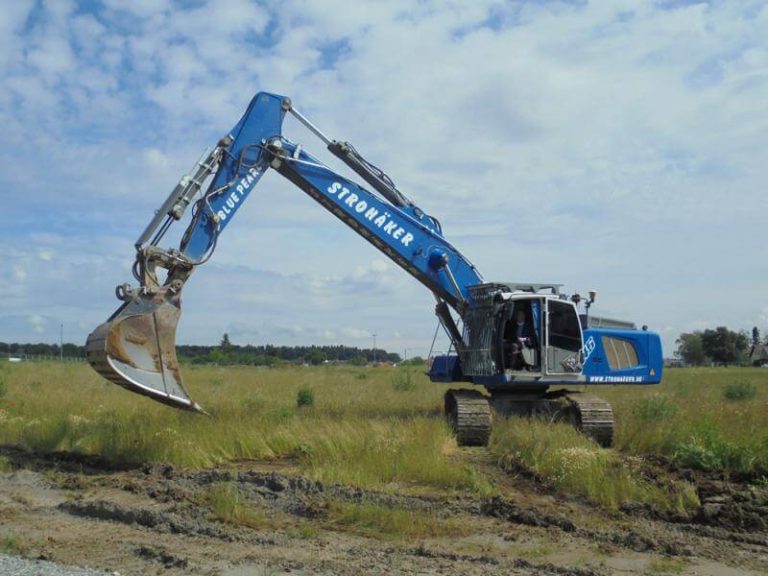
(470, 413)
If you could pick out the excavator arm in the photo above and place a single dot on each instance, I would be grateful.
(135, 348)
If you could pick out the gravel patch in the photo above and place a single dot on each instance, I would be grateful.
(15, 566)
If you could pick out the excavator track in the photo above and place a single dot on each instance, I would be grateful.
(469, 415)
(589, 414)
(592, 416)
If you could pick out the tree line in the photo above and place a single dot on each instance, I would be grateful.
(228, 353)
(270, 355)
(720, 346)
(41, 349)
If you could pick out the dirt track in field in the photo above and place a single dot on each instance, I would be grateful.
(150, 520)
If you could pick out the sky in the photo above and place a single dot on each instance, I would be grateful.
(614, 145)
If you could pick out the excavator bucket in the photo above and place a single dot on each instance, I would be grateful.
(136, 348)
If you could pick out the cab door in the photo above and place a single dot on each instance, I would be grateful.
(563, 338)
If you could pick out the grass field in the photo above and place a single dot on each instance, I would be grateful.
(708, 418)
(377, 427)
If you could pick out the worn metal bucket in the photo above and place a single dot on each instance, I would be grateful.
(136, 348)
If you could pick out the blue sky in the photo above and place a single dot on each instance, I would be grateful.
(611, 145)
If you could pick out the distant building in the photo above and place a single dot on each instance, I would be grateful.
(759, 355)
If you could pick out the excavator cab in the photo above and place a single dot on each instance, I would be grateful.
(527, 334)
(519, 340)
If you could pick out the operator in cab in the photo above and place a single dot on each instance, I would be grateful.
(520, 336)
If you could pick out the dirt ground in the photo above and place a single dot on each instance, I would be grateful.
(146, 519)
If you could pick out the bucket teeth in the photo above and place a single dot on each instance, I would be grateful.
(136, 349)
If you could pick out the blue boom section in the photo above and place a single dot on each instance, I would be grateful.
(244, 163)
(413, 244)
(406, 234)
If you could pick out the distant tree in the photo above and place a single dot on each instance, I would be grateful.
(755, 336)
(225, 343)
(358, 360)
(690, 348)
(71, 350)
(724, 346)
(218, 356)
(315, 357)
(266, 361)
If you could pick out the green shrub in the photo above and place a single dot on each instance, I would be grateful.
(655, 409)
(305, 397)
(740, 390)
(284, 413)
(403, 381)
(305, 530)
(227, 505)
(12, 544)
(706, 449)
(224, 500)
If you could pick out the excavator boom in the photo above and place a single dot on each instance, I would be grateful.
(135, 348)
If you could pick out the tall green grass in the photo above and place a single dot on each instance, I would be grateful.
(711, 419)
(227, 505)
(574, 463)
(356, 430)
(392, 522)
(707, 418)
(378, 427)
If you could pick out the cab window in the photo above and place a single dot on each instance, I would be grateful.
(564, 329)
(563, 337)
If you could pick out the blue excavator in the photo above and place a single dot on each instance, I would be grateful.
(524, 343)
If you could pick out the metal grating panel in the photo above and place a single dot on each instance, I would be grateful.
(477, 358)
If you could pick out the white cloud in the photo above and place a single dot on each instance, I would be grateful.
(155, 159)
(356, 334)
(37, 322)
(19, 274)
